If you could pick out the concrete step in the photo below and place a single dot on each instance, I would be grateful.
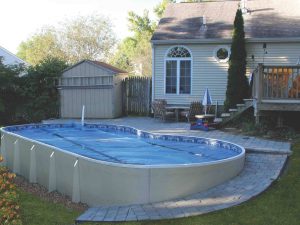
(233, 110)
(248, 102)
(241, 107)
(224, 115)
(218, 120)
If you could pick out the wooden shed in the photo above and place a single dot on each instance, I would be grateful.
(96, 85)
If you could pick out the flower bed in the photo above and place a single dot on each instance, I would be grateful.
(9, 207)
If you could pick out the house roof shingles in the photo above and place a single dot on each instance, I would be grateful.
(267, 19)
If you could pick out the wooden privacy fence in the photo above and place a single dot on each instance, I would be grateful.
(136, 95)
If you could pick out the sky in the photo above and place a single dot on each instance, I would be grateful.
(19, 19)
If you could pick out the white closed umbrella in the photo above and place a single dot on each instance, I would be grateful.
(206, 102)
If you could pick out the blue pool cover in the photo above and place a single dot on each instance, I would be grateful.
(127, 145)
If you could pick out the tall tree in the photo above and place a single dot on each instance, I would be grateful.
(89, 37)
(237, 84)
(43, 44)
(124, 55)
(134, 53)
(161, 7)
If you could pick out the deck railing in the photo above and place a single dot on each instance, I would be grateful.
(276, 83)
(85, 81)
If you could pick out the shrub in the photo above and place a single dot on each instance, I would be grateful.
(9, 207)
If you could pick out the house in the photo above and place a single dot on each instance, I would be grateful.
(10, 59)
(95, 85)
(191, 48)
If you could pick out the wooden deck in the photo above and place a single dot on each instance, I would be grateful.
(276, 88)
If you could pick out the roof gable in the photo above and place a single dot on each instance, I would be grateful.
(99, 64)
(10, 58)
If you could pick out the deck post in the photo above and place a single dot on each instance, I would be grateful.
(258, 91)
(260, 82)
(279, 120)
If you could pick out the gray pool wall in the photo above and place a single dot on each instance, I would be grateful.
(99, 183)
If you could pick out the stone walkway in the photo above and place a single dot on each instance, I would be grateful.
(264, 161)
(259, 172)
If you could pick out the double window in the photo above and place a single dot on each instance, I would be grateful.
(178, 71)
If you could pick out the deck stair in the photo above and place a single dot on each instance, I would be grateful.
(233, 113)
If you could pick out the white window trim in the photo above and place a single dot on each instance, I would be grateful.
(217, 49)
(166, 58)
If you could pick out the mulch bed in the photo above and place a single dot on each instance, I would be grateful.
(42, 192)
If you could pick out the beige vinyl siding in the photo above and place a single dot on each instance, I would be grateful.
(285, 54)
(207, 72)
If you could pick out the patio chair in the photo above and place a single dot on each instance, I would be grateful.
(156, 106)
(195, 109)
(160, 111)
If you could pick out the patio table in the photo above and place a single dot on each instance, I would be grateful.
(177, 110)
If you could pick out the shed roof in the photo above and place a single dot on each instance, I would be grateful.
(102, 65)
(266, 19)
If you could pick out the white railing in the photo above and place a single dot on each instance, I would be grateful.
(276, 82)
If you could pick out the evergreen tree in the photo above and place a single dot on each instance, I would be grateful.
(237, 83)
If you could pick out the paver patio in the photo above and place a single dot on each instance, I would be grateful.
(265, 159)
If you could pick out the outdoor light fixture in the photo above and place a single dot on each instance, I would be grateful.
(264, 45)
(265, 51)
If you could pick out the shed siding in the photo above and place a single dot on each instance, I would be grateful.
(86, 69)
(101, 99)
(207, 72)
(97, 102)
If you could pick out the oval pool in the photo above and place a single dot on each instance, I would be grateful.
(107, 164)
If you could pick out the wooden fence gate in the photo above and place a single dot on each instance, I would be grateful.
(136, 96)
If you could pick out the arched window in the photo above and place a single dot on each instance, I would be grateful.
(178, 71)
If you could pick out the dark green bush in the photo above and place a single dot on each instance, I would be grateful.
(32, 97)
(237, 84)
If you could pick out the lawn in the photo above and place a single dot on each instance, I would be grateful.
(279, 205)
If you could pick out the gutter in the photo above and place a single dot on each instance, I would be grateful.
(227, 41)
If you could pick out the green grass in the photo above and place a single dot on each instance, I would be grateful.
(35, 211)
(279, 205)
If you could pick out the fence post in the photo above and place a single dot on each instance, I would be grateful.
(259, 82)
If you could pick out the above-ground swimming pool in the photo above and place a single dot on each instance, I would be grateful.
(107, 164)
